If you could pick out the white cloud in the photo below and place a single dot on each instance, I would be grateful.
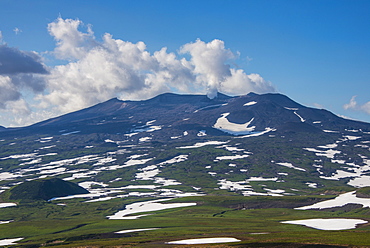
(17, 30)
(209, 60)
(97, 70)
(353, 105)
(71, 43)
(8, 92)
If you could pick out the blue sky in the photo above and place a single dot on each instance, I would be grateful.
(316, 52)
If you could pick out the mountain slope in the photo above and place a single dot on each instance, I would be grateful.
(252, 144)
(174, 112)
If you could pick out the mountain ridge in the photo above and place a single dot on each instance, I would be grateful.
(271, 110)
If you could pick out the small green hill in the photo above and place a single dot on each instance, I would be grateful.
(43, 189)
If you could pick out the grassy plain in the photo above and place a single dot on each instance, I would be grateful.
(80, 224)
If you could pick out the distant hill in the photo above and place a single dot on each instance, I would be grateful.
(44, 189)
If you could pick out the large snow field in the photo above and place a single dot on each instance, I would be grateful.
(146, 206)
(225, 125)
(203, 241)
(339, 201)
(328, 224)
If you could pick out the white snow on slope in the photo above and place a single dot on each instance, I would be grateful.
(70, 133)
(207, 143)
(291, 108)
(6, 221)
(203, 241)
(177, 159)
(250, 103)
(229, 185)
(256, 179)
(327, 153)
(231, 157)
(211, 106)
(4, 242)
(254, 134)
(5, 205)
(147, 206)
(328, 224)
(328, 146)
(358, 173)
(225, 125)
(8, 176)
(349, 137)
(300, 117)
(339, 201)
(289, 165)
(136, 230)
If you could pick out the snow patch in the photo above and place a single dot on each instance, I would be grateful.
(4, 242)
(289, 165)
(5, 205)
(148, 206)
(207, 143)
(250, 103)
(328, 224)
(6, 222)
(70, 133)
(201, 133)
(203, 241)
(349, 137)
(300, 117)
(339, 201)
(136, 230)
(231, 157)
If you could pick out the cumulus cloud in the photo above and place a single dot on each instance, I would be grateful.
(353, 105)
(71, 43)
(209, 60)
(94, 70)
(19, 70)
(14, 61)
(8, 92)
(100, 70)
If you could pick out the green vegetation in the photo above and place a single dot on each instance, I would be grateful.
(110, 160)
(363, 192)
(42, 189)
(254, 220)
